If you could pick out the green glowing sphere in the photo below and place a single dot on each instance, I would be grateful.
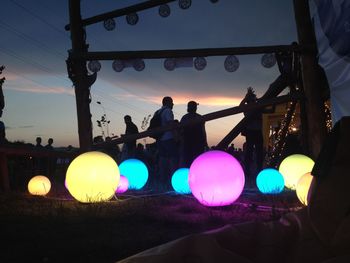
(293, 167)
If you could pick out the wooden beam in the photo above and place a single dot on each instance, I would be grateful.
(78, 74)
(202, 52)
(316, 123)
(121, 12)
(204, 118)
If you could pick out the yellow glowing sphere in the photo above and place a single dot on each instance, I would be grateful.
(39, 185)
(293, 167)
(303, 187)
(92, 177)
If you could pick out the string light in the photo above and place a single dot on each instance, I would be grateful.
(284, 130)
(327, 111)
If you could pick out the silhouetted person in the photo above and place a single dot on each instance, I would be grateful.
(129, 148)
(38, 145)
(140, 153)
(50, 162)
(39, 167)
(2, 133)
(49, 146)
(167, 147)
(98, 139)
(253, 134)
(194, 137)
(112, 150)
(2, 99)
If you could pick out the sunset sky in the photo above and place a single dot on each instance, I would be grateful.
(39, 97)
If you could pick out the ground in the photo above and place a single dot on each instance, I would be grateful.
(57, 228)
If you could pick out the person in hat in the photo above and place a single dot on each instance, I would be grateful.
(194, 137)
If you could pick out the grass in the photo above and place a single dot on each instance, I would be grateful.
(57, 228)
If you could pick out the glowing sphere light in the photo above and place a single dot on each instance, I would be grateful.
(293, 167)
(270, 181)
(123, 185)
(303, 187)
(216, 178)
(136, 172)
(39, 185)
(92, 177)
(179, 181)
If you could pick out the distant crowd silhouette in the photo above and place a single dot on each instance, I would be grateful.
(173, 149)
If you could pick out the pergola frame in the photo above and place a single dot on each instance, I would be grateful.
(79, 55)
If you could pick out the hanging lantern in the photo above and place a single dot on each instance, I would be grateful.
(132, 19)
(94, 66)
(268, 60)
(185, 4)
(170, 64)
(164, 10)
(118, 65)
(109, 24)
(231, 63)
(138, 64)
(200, 63)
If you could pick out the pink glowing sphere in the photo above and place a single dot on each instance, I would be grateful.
(216, 178)
(123, 185)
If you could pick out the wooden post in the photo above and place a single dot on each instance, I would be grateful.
(314, 107)
(4, 174)
(78, 73)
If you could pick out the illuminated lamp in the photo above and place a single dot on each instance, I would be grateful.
(270, 181)
(179, 181)
(293, 167)
(136, 172)
(123, 185)
(39, 185)
(303, 187)
(92, 177)
(216, 178)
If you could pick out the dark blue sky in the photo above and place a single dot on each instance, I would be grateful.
(39, 97)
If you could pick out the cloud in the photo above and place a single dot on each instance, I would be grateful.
(41, 90)
(20, 127)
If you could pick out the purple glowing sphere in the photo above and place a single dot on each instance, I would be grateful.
(123, 185)
(216, 178)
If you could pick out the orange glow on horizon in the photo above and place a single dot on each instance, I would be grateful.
(203, 101)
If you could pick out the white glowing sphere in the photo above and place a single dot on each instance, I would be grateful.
(293, 167)
(303, 187)
(92, 177)
(216, 178)
(123, 185)
(179, 181)
(136, 172)
(39, 185)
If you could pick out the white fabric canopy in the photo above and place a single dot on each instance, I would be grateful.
(332, 28)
